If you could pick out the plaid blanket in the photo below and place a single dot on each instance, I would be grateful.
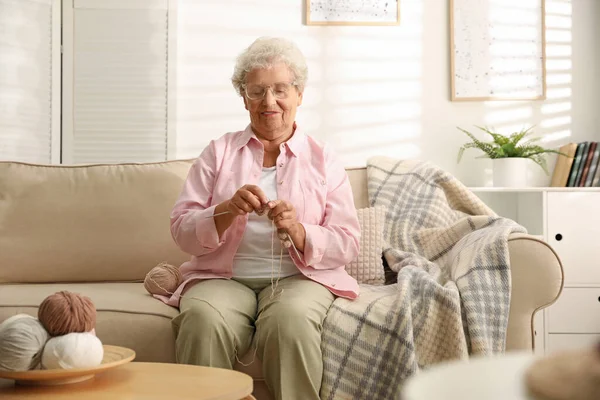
(452, 295)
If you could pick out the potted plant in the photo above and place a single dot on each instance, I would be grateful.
(510, 154)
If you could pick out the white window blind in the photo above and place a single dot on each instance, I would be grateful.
(30, 80)
(118, 80)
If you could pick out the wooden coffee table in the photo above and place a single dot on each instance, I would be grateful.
(139, 380)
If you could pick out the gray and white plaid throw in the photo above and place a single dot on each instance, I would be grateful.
(452, 296)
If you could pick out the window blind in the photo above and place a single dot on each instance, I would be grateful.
(117, 80)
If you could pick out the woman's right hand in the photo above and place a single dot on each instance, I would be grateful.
(247, 199)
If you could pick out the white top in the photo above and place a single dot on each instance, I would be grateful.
(255, 257)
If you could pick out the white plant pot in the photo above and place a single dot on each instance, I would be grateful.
(510, 172)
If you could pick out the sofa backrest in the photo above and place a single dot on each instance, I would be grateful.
(94, 223)
(87, 223)
(358, 180)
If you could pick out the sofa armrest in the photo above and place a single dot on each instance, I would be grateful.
(537, 281)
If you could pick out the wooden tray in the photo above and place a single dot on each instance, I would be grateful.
(114, 356)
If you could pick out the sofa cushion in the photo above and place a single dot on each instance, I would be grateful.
(87, 223)
(368, 266)
(126, 314)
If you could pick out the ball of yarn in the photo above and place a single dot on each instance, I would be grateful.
(22, 340)
(73, 350)
(65, 312)
(162, 279)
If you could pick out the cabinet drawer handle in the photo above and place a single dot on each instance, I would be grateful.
(599, 299)
(558, 237)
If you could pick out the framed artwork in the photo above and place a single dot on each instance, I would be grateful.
(497, 50)
(352, 12)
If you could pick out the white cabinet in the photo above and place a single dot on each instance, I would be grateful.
(560, 342)
(574, 232)
(577, 311)
(573, 224)
(569, 220)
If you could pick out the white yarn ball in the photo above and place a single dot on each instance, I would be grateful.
(22, 340)
(73, 350)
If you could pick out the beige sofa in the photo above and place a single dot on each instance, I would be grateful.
(98, 230)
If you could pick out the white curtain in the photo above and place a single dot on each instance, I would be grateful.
(29, 80)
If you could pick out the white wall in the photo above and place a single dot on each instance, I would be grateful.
(382, 90)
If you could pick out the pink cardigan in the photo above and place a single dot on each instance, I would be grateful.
(308, 175)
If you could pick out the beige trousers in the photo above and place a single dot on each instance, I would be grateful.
(219, 323)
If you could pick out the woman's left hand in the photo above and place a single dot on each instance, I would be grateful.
(283, 214)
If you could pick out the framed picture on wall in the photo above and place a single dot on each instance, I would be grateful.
(497, 50)
(352, 12)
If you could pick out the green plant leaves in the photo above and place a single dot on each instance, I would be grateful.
(503, 146)
(509, 150)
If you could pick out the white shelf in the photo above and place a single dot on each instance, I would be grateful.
(491, 189)
(582, 285)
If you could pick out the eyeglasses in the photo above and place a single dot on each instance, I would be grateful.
(281, 90)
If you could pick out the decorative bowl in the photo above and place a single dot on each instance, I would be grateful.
(114, 356)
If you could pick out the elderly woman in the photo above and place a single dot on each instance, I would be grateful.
(242, 290)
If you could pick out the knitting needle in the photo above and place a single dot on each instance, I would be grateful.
(217, 214)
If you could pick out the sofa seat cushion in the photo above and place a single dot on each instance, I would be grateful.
(126, 314)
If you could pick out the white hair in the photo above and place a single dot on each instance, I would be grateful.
(264, 53)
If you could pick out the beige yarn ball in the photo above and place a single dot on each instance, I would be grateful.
(22, 341)
(163, 279)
